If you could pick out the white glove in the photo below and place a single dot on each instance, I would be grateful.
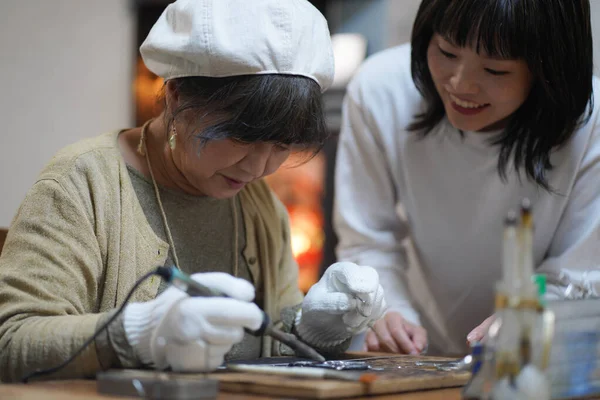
(192, 333)
(347, 300)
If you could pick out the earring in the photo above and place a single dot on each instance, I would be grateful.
(173, 139)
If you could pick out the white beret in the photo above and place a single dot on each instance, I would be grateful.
(221, 38)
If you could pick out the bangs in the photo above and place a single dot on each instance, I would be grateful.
(489, 26)
(280, 109)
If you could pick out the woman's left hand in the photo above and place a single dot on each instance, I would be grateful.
(477, 334)
(347, 300)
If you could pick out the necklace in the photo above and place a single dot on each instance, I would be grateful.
(143, 150)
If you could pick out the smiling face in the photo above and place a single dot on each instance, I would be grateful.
(479, 93)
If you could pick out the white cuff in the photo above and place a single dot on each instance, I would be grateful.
(138, 325)
(320, 337)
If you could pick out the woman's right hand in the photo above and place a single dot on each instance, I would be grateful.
(192, 334)
(394, 334)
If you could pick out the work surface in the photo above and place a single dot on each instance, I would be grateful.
(392, 374)
(409, 385)
(80, 390)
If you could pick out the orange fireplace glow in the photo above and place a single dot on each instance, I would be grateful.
(299, 185)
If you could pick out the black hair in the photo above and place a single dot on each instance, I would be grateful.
(283, 109)
(554, 38)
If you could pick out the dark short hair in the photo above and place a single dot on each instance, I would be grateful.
(554, 38)
(283, 109)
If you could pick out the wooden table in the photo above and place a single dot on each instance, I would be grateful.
(86, 389)
(82, 389)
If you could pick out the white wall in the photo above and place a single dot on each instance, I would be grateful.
(65, 74)
(399, 21)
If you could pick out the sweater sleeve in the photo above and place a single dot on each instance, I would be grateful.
(573, 259)
(112, 346)
(50, 274)
(367, 226)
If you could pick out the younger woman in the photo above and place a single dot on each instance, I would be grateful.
(491, 102)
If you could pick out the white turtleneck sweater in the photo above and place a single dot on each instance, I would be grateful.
(454, 202)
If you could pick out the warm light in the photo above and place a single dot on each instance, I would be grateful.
(147, 88)
(300, 242)
(299, 185)
(306, 237)
(306, 233)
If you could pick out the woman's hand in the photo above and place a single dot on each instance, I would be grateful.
(394, 334)
(192, 334)
(477, 334)
(346, 301)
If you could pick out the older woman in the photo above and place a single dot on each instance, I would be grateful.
(243, 90)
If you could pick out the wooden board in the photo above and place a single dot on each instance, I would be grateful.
(400, 375)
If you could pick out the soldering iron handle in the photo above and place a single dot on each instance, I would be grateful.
(203, 291)
(196, 289)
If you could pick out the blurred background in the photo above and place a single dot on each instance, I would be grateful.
(70, 69)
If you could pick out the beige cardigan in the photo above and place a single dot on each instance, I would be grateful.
(80, 241)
